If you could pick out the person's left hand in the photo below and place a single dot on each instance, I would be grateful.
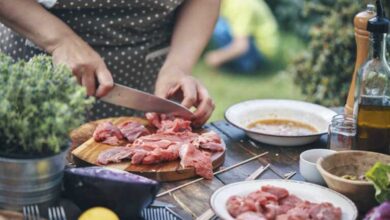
(213, 59)
(176, 84)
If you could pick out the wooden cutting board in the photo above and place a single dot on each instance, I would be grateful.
(88, 150)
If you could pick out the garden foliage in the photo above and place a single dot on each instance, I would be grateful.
(40, 103)
(324, 70)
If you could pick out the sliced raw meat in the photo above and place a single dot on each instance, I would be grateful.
(289, 202)
(108, 133)
(280, 193)
(251, 216)
(324, 211)
(210, 141)
(138, 156)
(114, 155)
(236, 206)
(160, 155)
(193, 157)
(168, 123)
(301, 211)
(153, 119)
(132, 130)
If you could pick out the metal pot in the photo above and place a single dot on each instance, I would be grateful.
(30, 181)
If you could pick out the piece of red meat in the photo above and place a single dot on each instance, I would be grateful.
(131, 130)
(114, 155)
(107, 133)
(193, 157)
(258, 199)
(139, 155)
(250, 216)
(280, 193)
(236, 206)
(153, 119)
(324, 211)
(168, 123)
(209, 141)
(299, 212)
(160, 155)
(289, 202)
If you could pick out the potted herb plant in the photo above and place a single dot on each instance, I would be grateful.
(39, 105)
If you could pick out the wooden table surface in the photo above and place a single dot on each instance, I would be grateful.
(193, 200)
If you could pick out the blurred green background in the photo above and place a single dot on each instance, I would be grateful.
(316, 57)
(228, 88)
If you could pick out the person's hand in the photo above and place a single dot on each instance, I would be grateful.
(176, 84)
(86, 65)
(213, 59)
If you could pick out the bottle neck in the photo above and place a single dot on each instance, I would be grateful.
(378, 46)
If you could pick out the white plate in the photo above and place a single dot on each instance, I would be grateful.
(303, 190)
(244, 113)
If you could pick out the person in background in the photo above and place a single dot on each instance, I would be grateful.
(246, 36)
(151, 45)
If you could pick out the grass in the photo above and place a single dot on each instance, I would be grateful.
(228, 88)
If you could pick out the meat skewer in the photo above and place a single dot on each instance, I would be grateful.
(209, 214)
(215, 173)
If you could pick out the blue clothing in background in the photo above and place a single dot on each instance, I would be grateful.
(248, 62)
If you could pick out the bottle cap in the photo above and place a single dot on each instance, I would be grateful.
(379, 23)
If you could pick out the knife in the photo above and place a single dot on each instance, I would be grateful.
(142, 101)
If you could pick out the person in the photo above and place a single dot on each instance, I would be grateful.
(150, 45)
(245, 37)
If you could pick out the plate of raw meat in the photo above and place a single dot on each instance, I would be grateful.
(161, 147)
(281, 200)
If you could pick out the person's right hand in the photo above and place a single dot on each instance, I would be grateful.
(86, 64)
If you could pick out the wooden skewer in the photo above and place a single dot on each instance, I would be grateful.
(210, 213)
(216, 173)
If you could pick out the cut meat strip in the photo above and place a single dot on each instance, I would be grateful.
(289, 202)
(324, 211)
(251, 216)
(114, 155)
(193, 157)
(107, 133)
(160, 154)
(236, 206)
(280, 193)
(210, 141)
(132, 130)
(168, 123)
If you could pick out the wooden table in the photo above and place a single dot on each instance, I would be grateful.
(193, 200)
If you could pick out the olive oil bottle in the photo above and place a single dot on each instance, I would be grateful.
(372, 97)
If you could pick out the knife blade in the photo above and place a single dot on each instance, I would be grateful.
(142, 101)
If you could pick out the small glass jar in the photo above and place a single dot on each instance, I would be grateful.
(342, 133)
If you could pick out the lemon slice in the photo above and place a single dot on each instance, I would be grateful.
(98, 213)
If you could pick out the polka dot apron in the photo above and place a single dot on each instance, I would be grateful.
(132, 36)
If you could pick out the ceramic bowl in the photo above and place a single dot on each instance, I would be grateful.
(244, 113)
(333, 166)
(307, 164)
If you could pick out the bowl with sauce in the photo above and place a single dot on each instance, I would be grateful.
(280, 122)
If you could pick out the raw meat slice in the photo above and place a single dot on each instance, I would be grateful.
(324, 211)
(160, 155)
(168, 123)
(193, 157)
(210, 141)
(132, 130)
(289, 202)
(300, 211)
(250, 216)
(114, 155)
(280, 193)
(139, 155)
(236, 205)
(107, 133)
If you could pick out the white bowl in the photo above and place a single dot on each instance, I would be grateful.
(308, 164)
(244, 113)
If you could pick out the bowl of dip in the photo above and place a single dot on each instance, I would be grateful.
(280, 122)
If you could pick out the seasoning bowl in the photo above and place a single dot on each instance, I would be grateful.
(307, 164)
(243, 114)
(356, 163)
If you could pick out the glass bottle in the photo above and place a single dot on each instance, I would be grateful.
(372, 101)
